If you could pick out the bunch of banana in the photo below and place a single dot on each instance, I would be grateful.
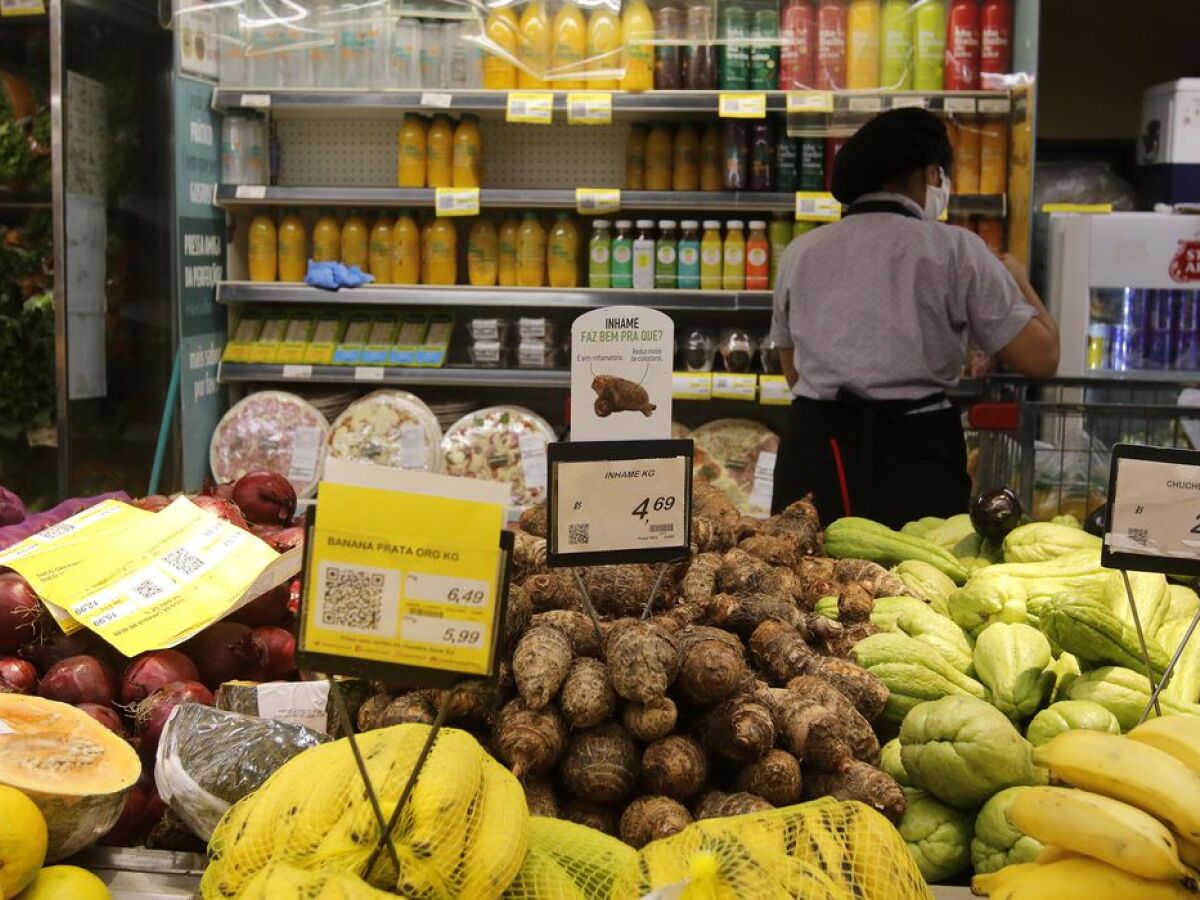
(1129, 825)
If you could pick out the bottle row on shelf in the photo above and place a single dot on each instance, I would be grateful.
(629, 45)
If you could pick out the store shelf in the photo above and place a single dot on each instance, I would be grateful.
(291, 294)
(237, 196)
(24, 200)
(240, 373)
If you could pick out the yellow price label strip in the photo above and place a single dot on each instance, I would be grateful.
(530, 107)
(589, 108)
(817, 206)
(692, 385)
(734, 386)
(1095, 209)
(594, 201)
(810, 101)
(22, 7)
(742, 105)
(773, 390)
(456, 202)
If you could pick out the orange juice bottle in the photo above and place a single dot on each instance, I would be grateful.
(439, 153)
(499, 70)
(327, 238)
(467, 159)
(685, 163)
(406, 250)
(293, 247)
(568, 49)
(965, 176)
(712, 154)
(263, 249)
(380, 251)
(531, 252)
(658, 159)
(758, 257)
(637, 31)
(562, 253)
(355, 240)
(439, 261)
(993, 158)
(862, 44)
(533, 47)
(482, 253)
(603, 49)
(635, 158)
(411, 168)
(506, 252)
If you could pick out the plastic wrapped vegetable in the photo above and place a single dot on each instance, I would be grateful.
(938, 836)
(997, 842)
(208, 759)
(1070, 715)
(1011, 660)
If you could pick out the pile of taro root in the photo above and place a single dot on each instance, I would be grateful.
(733, 696)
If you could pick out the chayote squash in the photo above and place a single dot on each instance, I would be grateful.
(1011, 660)
(1068, 520)
(888, 610)
(997, 842)
(913, 671)
(890, 762)
(1184, 686)
(1150, 596)
(939, 633)
(1124, 693)
(1070, 715)
(1040, 541)
(1182, 603)
(1089, 630)
(921, 526)
(938, 836)
(827, 607)
(987, 599)
(963, 750)
(929, 581)
(1065, 669)
(949, 532)
(858, 538)
(1078, 572)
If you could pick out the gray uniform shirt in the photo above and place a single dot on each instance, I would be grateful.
(883, 304)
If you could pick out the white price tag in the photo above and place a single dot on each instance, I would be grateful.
(532, 328)
(691, 385)
(412, 446)
(445, 632)
(591, 108)
(959, 105)
(532, 355)
(995, 105)
(297, 371)
(810, 101)
(1156, 509)
(773, 390)
(742, 105)
(865, 104)
(485, 329)
(368, 373)
(299, 703)
(909, 100)
(533, 460)
(486, 352)
(734, 385)
(764, 483)
(251, 192)
(456, 201)
(256, 101)
(437, 99)
(306, 455)
(427, 588)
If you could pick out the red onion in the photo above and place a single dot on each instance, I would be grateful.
(45, 653)
(265, 532)
(281, 650)
(19, 610)
(154, 503)
(227, 651)
(270, 608)
(18, 674)
(151, 671)
(79, 679)
(12, 510)
(105, 716)
(131, 827)
(152, 713)
(222, 509)
(210, 488)
(265, 497)
(287, 539)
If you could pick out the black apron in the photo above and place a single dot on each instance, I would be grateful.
(874, 458)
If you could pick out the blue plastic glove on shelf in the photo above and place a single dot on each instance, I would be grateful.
(334, 275)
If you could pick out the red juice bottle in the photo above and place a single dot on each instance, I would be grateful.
(962, 46)
(995, 44)
(831, 45)
(799, 55)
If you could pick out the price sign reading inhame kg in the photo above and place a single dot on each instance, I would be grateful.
(1153, 521)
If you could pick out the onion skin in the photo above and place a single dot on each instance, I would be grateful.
(287, 539)
(265, 498)
(105, 716)
(44, 654)
(270, 608)
(281, 652)
(154, 503)
(12, 509)
(227, 651)
(222, 509)
(19, 674)
(19, 612)
(152, 713)
(151, 671)
(79, 679)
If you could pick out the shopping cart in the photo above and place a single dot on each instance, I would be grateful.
(1050, 440)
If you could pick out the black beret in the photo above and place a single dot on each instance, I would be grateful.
(888, 145)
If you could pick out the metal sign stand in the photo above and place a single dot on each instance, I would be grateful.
(1155, 688)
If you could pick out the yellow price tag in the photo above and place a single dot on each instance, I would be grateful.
(22, 7)
(691, 385)
(810, 101)
(456, 202)
(589, 108)
(817, 206)
(741, 105)
(594, 201)
(530, 107)
(773, 390)
(1095, 209)
(734, 386)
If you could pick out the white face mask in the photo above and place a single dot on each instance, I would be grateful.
(937, 197)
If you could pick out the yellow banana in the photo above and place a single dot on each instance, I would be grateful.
(542, 877)
(500, 839)
(991, 883)
(1189, 852)
(440, 806)
(1127, 770)
(801, 879)
(880, 863)
(1088, 878)
(1051, 854)
(1100, 827)
(1176, 735)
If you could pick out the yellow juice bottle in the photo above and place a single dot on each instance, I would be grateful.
(862, 44)
(531, 252)
(467, 161)
(411, 167)
(658, 158)
(483, 253)
(356, 239)
(380, 252)
(685, 162)
(635, 158)
(733, 272)
(603, 50)
(439, 153)
(293, 247)
(406, 250)
(712, 159)
(568, 49)
(327, 238)
(533, 47)
(637, 33)
(562, 253)
(506, 253)
(439, 261)
(711, 250)
(499, 67)
(262, 249)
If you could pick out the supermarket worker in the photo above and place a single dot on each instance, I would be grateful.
(872, 316)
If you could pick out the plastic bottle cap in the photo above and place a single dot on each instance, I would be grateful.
(645, 223)
(624, 223)
(600, 223)
(666, 223)
(734, 223)
(690, 223)
(1098, 330)
(712, 223)
(757, 223)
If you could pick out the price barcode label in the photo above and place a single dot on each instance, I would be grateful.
(734, 385)
(1154, 510)
(995, 105)
(456, 202)
(368, 373)
(959, 105)
(256, 101)
(295, 371)
(530, 108)
(773, 390)
(906, 101)
(692, 385)
(817, 206)
(742, 105)
(865, 104)
(437, 99)
(589, 109)
(427, 588)
(593, 201)
(444, 632)
(306, 455)
(810, 101)
(22, 7)
(763, 488)
(250, 192)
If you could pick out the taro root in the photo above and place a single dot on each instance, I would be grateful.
(534, 520)
(816, 568)
(742, 803)
(742, 573)
(712, 503)
(855, 603)
(858, 781)
(615, 394)
(650, 721)
(576, 625)
(819, 726)
(529, 741)
(743, 614)
(474, 701)
(708, 805)
(587, 699)
(800, 520)
(414, 707)
(370, 713)
(747, 526)
(865, 691)
(600, 765)
(529, 554)
(711, 535)
(680, 617)
(740, 730)
(517, 615)
(817, 589)
(642, 661)
(620, 590)
(842, 643)
(712, 665)
(874, 578)
(649, 818)
(594, 815)
(541, 661)
(776, 778)
(774, 549)
(540, 798)
(779, 651)
(675, 766)
(553, 590)
(700, 582)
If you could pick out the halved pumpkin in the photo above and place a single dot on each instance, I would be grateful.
(75, 770)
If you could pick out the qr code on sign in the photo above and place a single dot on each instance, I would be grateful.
(578, 534)
(147, 589)
(1138, 534)
(184, 561)
(356, 599)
